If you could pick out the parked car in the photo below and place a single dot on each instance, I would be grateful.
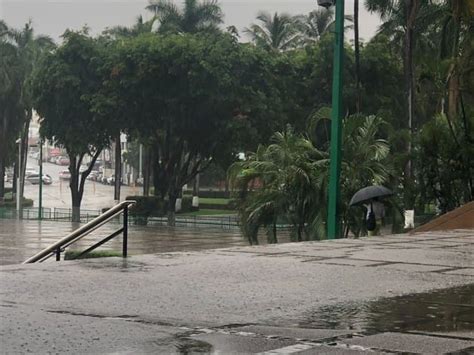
(64, 175)
(34, 179)
(93, 175)
(62, 161)
(31, 171)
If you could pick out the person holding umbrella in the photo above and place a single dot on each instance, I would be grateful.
(371, 197)
(375, 213)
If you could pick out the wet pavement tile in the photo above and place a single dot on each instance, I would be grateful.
(236, 344)
(413, 267)
(463, 271)
(340, 350)
(306, 334)
(412, 343)
(346, 261)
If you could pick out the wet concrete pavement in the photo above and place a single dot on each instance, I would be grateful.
(394, 294)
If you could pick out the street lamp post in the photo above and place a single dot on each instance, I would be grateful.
(18, 179)
(40, 203)
(333, 225)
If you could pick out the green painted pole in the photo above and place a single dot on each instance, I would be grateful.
(333, 226)
(40, 203)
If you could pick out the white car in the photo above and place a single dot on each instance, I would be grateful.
(64, 175)
(30, 171)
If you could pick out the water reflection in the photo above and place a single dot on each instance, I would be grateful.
(441, 311)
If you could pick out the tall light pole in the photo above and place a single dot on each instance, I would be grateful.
(333, 225)
(40, 203)
(18, 180)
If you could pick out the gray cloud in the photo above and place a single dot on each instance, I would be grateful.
(52, 17)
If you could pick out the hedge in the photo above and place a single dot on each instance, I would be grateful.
(209, 193)
(27, 202)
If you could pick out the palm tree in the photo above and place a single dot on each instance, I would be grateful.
(30, 48)
(288, 172)
(139, 27)
(317, 23)
(365, 159)
(357, 53)
(10, 97)
(279, 32)
(195, 16)
(403, 13)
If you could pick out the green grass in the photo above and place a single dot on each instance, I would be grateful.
(206, 212)
(215, 201)
(72, 254)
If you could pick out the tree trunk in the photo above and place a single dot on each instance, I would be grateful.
(196, 192)
(24, 151)
(179, 202)
(357, 53)
(412, 12)
(453, 82)
(2, 179)
(171, 209)
(146, 171)
(118, 168)
(76, 196)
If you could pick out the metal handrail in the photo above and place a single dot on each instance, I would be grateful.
(86, 229)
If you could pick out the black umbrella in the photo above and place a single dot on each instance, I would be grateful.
(369, 193)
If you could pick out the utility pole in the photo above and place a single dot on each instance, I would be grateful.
(333, 226)
(40, 200)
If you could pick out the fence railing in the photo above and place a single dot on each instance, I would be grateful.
(51, 214)
(60, 246)
(65, 214)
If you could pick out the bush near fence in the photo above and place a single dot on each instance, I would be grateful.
(26, 202)
(153, 206)
(231, 206)
(209, 193)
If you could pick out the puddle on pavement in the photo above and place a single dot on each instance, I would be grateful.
(447, 310)
(181, 345)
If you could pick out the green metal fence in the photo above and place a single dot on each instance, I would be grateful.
(65, 214)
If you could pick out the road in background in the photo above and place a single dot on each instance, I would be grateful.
(58, 194)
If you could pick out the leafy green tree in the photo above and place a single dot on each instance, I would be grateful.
(279, 32)
(195, 16)
(401, 17)
(445, 165)
(64, 87)
(181, 94)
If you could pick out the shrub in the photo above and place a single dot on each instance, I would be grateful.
(209, 193)
(27, 202)
(73, 254)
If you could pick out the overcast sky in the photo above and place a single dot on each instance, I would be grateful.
(52, 17)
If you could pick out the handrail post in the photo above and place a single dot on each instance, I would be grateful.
(125, 231)
(58, 254)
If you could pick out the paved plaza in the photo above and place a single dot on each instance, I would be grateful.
(393, 294)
